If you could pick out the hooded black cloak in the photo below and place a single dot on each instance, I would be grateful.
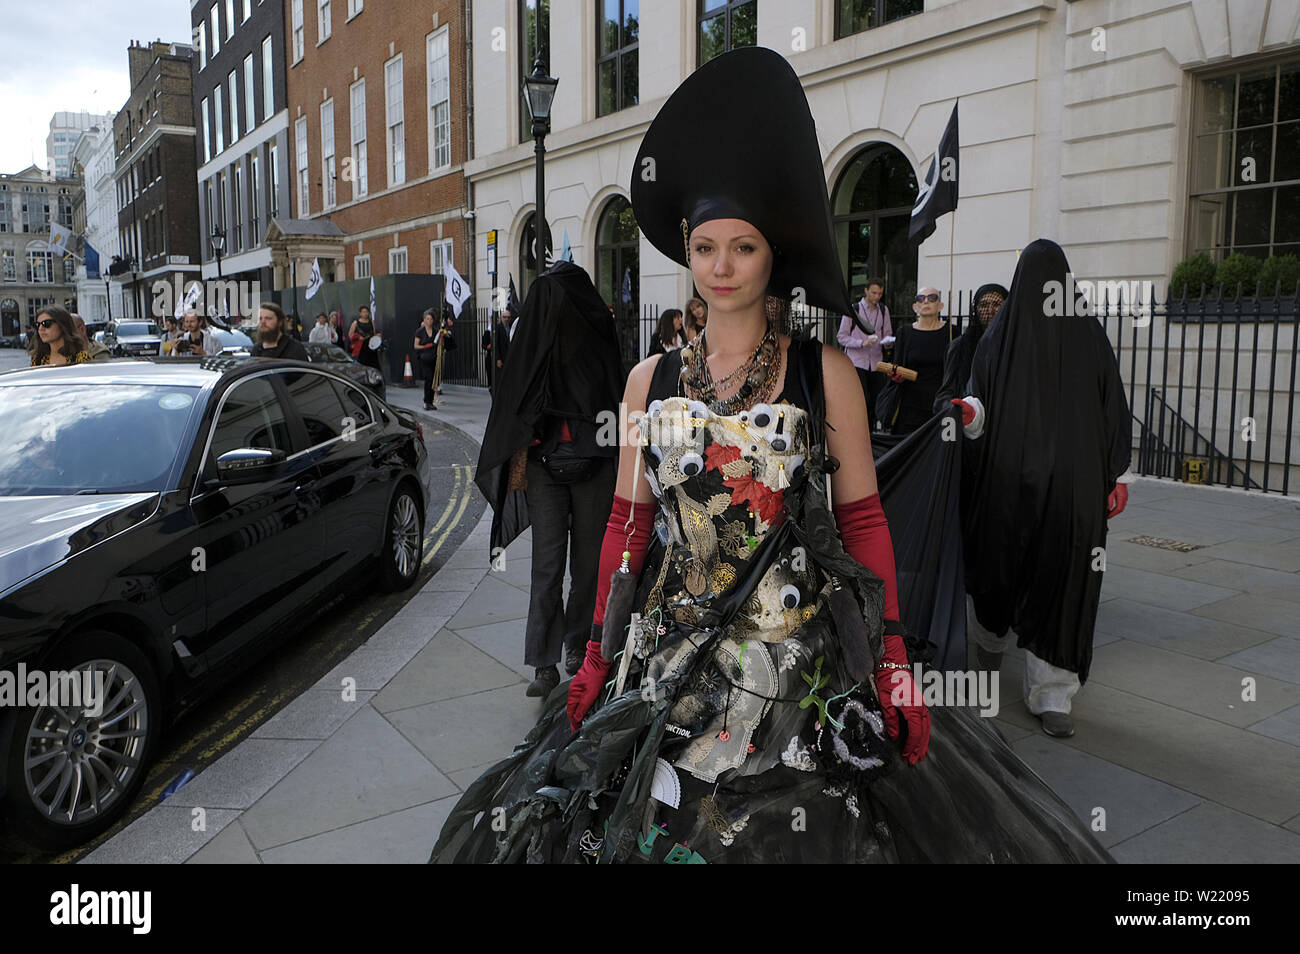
(1057, 435)
(564, 363)
(961, 353)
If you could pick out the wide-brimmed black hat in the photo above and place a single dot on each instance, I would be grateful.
(737, 141)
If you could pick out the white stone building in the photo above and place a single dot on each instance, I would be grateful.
(1120, 130)
(91, 158)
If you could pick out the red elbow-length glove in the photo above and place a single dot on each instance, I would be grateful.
(865, 533)
(586, 685)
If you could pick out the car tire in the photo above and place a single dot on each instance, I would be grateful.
(86, 789)
(403, 547)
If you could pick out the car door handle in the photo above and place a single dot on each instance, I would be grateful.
(305, 487)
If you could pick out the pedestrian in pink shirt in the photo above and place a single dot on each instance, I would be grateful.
(861, 336)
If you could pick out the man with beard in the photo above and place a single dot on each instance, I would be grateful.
(1053, 440)
(961, 353)
(272, 342)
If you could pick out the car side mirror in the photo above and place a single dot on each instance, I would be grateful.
(248, 465)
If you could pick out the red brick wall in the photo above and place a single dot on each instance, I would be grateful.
(364, 43)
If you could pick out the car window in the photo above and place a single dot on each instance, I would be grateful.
(318, 404)
(251, 417)
(355, 405)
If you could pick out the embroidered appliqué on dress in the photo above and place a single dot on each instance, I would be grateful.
(798, 756)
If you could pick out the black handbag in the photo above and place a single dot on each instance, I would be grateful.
(565, 466)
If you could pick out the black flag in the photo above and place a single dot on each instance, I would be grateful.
(938, 193)
(512, 301)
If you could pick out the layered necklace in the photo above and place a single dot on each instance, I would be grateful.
(758, 374)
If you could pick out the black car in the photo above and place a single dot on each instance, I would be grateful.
(163, 523)
(343, 363)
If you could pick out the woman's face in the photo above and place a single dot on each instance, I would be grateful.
(49, 330)
(731, 263)
(697, 310)
(428, 321)
(677, 323)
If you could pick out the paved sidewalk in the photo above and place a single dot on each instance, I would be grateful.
(1169, 757)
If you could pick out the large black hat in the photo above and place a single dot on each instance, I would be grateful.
(737, 141)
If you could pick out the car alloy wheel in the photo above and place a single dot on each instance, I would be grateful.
(404, 543)
(73, 770)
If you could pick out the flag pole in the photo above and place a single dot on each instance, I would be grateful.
(952, 230)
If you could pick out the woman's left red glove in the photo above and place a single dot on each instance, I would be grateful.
(586, 685)
(900, 700)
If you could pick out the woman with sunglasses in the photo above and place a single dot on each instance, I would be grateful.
(57, 339)
(921, 347)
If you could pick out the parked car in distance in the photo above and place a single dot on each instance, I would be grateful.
(129, 337)
(232, 341)
(343, 363)
(114, 478)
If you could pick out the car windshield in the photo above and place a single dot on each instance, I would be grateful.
(128, 331)
(104, 438)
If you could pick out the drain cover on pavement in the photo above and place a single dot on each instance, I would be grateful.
(1163, 544)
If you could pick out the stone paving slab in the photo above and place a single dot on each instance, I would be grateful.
(1175, 631)
(404, 837)
(1278, 657)
(1284, 726)
(316, 714)
(493, 602)
(1272, 616)
(1211, 834)
(1194, 685)
(1217, 762)
(1156, 589)
(230, 847)
(448, 667)
(458, 733)
(165, 835)
(1275, 584)
(244, 774)
(366, 769)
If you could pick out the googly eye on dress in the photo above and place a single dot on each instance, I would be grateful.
(657, 453)
(762, 416)
(794, 464)
(691, 464)
(790, 596)
(654, 408)
(697, 409)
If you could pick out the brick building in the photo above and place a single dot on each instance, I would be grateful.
(241, 141)
(157, 187)
(385, 84)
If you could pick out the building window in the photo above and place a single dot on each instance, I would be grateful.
(10, 265)
(207, 133)
(1246, 163)
(872, 206)
(201, 41)
(618, 271)
(299, 40)
(40, 266)
(273, 172)
(236, 210)
(324, 23)
(357, 118)
(355, 7)
(220, 120)
(438, 53)
(439, 256)
(268, 81)
(250, 108)
(725, 26)
(254, 199)
(397, 261)
(248, 10)
(234, 107)
(215, 16)
(219, 222)
(361, 266)
(854, 16)
(230, 18)
(616, 55)
(327, 154)
(300, 141)
(395, 120)
(534, 33)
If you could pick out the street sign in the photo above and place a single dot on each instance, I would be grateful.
(492, 252)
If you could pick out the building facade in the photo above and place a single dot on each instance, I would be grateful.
(380, 133)
(154, 174)
(31, 274)
(1135, 134)
(95, 218)
(242, 141)
(65, 129)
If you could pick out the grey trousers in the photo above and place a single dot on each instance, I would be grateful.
(565, 518)
(1047, 688)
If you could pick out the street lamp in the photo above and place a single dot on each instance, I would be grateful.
(218, 246)
(539, 93)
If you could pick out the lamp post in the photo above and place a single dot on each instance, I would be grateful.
(539, 94)
(218, 246)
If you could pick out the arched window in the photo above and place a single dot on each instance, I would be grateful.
(528, 264)
(873, 207)
(618, 270)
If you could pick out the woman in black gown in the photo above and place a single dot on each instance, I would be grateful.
(365, 327)
(759, 703)
(921, 347)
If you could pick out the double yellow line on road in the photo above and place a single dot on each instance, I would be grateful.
(461, 492)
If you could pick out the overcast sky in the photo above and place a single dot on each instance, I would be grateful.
(70, 55)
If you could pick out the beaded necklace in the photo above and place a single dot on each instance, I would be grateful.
(759, 372)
